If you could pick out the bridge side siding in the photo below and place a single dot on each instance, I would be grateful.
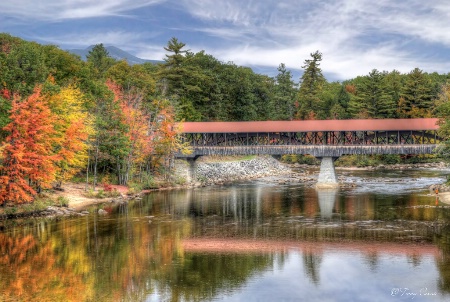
(311, 125)
(314, 150)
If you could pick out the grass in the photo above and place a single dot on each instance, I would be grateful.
(41, 202)
(100, 194)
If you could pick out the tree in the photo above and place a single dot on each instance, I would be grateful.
(28, 158)
(72, 126)
(443, 113)
(137, 132)
(99, 57)
(180, 80)
(394, 84)
(165, 137)
(284, 95)
(132, 78)
(340, 108)
(24, 67)
(311, 84)
(372, 94)
(416, 97)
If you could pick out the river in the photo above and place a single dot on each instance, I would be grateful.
(382, 238)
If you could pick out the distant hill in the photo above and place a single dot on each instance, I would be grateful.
(115, 53)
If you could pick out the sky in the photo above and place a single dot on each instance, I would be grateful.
(354, 36)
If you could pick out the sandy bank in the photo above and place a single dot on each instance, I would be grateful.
(76, 195)
(444, 197)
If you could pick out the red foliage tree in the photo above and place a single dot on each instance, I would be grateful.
(28, 157)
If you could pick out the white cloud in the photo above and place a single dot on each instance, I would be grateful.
(355, 36)
(73, 40)
(57, 10)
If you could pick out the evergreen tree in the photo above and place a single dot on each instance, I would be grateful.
(284, 95)
(340, 107)
(372, 92)
(394, 82)
(311, 84)
(262, 92)
(179, 81)
(99, 57)
(416, 98)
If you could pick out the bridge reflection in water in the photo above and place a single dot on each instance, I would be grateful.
(328, 139)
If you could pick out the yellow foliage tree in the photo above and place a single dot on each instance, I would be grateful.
(74, 126)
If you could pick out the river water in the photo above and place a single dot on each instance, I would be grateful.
(384, 238)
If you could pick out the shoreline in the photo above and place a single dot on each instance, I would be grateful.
(78, 202)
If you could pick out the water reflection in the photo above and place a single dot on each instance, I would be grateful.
(327, 199)
(233, 243)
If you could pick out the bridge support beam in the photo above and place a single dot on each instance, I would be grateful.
(327, 175)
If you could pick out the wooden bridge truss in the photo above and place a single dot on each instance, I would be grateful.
(329, 138)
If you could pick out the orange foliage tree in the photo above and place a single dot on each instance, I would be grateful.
(28, 162)
(137, 130)
(166, 138)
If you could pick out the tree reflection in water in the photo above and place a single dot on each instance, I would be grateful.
(198, 244)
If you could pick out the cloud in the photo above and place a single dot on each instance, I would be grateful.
(77, 39)
(57, 10)
(355, 36)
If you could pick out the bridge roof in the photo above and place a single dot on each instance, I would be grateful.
(312, 126)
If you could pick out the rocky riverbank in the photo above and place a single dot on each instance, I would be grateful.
(209, 172)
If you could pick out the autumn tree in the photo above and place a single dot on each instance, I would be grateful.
(137, 131)
(165, 137)
(28, 163)
(72, 125)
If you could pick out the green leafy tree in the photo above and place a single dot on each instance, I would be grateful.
(133, 79)
(210, 100)
(394, 84)
(443, 113)
(24, 68)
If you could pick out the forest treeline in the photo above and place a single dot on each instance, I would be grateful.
(61, 116)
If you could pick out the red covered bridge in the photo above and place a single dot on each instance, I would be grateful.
(316, 137)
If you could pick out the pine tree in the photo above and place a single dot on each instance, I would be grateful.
(284, 95)
(179, 81)
(416, 97)
(311, 84)
(100, 59)
(372, 92)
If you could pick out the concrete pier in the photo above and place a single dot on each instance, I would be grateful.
(327, 176)
(192, 175)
